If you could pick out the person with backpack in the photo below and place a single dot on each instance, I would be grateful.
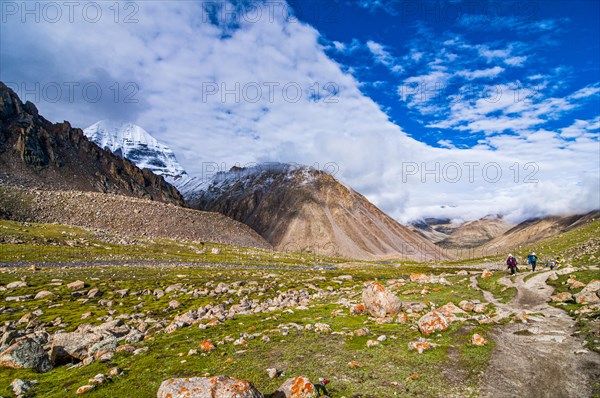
(511, 262)
(532, 259)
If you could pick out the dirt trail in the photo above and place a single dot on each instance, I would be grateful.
(540, 356)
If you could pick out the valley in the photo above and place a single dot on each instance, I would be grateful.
(266, 281)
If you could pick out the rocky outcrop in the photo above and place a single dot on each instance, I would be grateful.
(125, 216)
(37, 153)
(204, 387)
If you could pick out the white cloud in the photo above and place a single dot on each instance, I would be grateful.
(481, 73)
(515, 61)
(383, 56)
(174, 56)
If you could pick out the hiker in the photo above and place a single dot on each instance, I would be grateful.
(558, 262)
(511, 262)
(532, 259)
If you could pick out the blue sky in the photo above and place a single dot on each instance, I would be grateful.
(449, 109)
(426, 63)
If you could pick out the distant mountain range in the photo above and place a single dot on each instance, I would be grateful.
(293, 207)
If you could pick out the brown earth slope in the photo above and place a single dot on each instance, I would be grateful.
(535, 230)
(476, 233)
(127, 216)
(300, 208)
(38, 154)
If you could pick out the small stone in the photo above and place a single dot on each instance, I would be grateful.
(207, 345)
(487, 274)
(16, 285)
(372, 343)
(355, 364)
(112, 372)
(21, 387)
(77, 285)
(43, 294)
(272, 372)
(84, 389)
(478, 340)
(93, 293)
(322, 328)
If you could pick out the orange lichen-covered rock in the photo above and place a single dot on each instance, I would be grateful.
(204, 387)
(420, 345)
(380, 302)
(297, 387)
(478, 340)
(487, 274)
(431, 322)
(419, 278)
(357, 309)
(590, 294)
(207, 345)
(451, 312)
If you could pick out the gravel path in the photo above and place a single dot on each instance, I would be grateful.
(538, 356)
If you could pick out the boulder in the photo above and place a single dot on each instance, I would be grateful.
(431, 322)
(589, 294)
(76, 346)
(487, 274)
(16, 285)
(451, 312)
(297, 387)
(204, 387)
(77, 285)
(43, 294)
(26, 354)
(380, 302)
(562, 297)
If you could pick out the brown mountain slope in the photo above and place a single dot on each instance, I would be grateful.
(535, 230)
(36, 153)
(475, 233)
(300, 208)
(125, 216)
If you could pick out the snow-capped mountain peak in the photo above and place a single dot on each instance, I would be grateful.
(136, 144)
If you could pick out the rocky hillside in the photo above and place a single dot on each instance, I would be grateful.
(36, 153)
(536, 230)
(476, 233)
(126, 216)
(300, 208)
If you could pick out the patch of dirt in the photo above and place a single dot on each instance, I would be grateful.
(538, 356)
